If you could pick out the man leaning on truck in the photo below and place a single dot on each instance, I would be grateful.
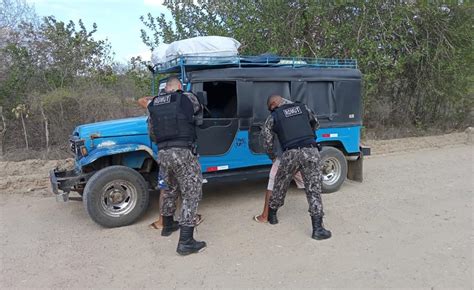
(173, 116)
(161, 185)
(294, 125)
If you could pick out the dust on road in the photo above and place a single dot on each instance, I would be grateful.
(409, 224)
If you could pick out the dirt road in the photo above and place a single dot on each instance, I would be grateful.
(409, 224)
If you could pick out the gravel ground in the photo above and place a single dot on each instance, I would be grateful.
(409, 224)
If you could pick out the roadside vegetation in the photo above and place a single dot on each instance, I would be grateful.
(416, 58)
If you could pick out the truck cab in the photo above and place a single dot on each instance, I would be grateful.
(115, 161)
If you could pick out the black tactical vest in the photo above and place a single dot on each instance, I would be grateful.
(292, 126)
(171, 126)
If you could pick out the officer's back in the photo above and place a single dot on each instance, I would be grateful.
(173, 116)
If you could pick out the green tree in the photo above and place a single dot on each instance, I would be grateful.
(51, 56)
(416, 57)
(44, 58)
(64, 52)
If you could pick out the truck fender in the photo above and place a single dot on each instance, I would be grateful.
(114, 150)
(355, 168)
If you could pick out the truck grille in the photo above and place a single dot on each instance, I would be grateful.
(72, 145)
(75, 144)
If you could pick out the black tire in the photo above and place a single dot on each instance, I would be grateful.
(116, 196)
(334, 169)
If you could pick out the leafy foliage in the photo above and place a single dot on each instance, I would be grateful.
(416, 57)
(58, 75)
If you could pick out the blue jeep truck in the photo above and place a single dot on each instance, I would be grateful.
(115, 161)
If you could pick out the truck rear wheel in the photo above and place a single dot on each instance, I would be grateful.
(334, 169)
(116, 196)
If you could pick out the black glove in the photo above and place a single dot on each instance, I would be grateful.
(194, 149)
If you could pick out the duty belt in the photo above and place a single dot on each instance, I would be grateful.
(175, 144)
(312, 145)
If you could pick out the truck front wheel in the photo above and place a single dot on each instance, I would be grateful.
(116, 196)
(334, 169)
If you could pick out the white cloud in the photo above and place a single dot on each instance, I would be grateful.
(153, 2)
(145, 54)
(158, 2)
(141, 50)
(35, 1)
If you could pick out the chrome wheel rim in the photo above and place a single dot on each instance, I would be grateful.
(118, 198)
(331, 170)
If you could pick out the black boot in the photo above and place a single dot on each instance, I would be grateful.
(272, 216)
(169, 226)
(319, 232)
(187, 244)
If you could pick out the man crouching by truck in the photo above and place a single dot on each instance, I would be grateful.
(173, 117)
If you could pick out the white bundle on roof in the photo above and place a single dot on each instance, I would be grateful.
(198, 46)
(159, 54)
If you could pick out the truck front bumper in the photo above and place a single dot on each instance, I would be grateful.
(65, 181)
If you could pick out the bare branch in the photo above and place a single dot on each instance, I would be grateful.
(2, 131)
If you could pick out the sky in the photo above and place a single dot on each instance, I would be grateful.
(117, 20)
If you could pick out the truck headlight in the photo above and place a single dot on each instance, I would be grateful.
(83, 150)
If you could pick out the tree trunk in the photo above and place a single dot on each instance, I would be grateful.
(46, 129)
(2, 131)
(24, 130)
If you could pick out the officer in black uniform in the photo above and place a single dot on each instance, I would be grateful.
(294, 124)
(174, 115)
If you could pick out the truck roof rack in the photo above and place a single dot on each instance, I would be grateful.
(196, 62)
(183, 64)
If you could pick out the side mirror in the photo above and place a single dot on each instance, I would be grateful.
(202, 97)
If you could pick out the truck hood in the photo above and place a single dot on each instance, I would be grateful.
(113, 128)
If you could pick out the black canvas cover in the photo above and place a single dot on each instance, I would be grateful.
(333, 94)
